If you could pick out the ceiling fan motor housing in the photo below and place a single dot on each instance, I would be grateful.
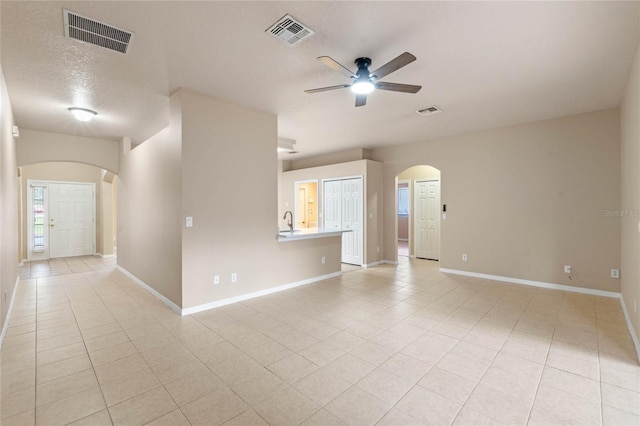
(363, 68)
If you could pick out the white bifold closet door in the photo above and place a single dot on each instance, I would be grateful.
(343, 210)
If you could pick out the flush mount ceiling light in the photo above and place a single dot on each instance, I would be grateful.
(82, 114)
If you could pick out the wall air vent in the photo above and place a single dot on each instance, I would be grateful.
(290, 30)
(429, 110)
(95, 32)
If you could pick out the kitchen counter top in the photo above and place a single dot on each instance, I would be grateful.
(305, 234)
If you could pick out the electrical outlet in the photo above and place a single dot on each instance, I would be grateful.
(615, 273)
(216, 279)
(234, 277)
(464, 257)
(324, 260)
(567, 269)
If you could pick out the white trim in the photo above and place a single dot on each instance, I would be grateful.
(142, 284)
(634, 336)
(403, 239)
(390, 262)
(230, 300)
(20, 264)
(105, 256)
(542, 284)
(8, 317)
(372, 264)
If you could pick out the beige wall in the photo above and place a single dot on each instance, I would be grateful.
(630, 194)
(105, 214)
(235, 214)
(372, 180)
(412, 174)
(148, 206)
(73, 172)
(38, 147)
(525, 200)
(8, 204)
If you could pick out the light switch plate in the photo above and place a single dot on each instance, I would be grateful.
(189, 221)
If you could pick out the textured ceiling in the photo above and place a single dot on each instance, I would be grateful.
(485, 65)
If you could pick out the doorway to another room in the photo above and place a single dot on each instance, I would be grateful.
(306, 211)
(419, 213)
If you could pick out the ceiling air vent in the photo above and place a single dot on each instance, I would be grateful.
(290, 30)
(429, 110)
(95, 32)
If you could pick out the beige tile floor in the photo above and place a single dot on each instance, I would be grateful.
(390, 345)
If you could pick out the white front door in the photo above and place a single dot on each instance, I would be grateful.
(343, 210)
(427, 219)
(72, 227)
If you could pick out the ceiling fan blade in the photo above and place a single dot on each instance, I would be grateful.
(325, 89)
(336, 66)
(393, 65)
(361, 100)
(396, 87)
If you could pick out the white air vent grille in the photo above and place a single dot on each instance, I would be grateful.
(429, 110)
(290, 30)
(95, 32)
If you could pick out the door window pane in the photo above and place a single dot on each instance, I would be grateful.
(38, 219)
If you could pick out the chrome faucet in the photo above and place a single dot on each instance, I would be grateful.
(290, 223)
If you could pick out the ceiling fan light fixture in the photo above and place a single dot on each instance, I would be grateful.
(82, 114)
(362, 87)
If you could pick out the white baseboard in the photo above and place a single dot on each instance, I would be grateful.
(403, 239)
(8, 317)
(235, 299)
(541, 284)
(632, 331)
(372, 264)
(105, 256)
(389, 262)
(144, 285)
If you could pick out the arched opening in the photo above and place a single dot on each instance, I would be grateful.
(66, 210)
(419, 211)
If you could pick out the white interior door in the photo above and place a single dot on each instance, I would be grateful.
(427, 219)
(343, 210)
(332, 204)
(72, 228)
(352, 220)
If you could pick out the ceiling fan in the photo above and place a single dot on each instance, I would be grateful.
(365, 82)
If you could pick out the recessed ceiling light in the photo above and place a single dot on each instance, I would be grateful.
(82, 114)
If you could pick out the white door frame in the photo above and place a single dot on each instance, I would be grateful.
(295, 197)
(45, 183)
(409, 182)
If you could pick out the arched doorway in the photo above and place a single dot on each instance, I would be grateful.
(418, 213)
